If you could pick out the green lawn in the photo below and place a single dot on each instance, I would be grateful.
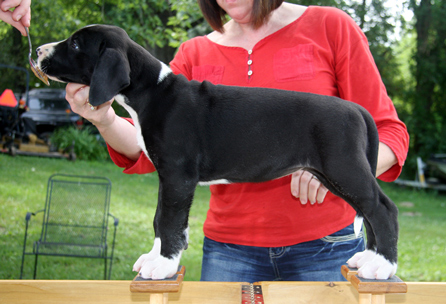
(422, 246)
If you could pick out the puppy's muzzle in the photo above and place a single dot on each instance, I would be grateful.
(43, 52)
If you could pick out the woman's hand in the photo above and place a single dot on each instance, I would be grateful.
(116, 131)
(20, 17)
(101, 116)
(307, 187)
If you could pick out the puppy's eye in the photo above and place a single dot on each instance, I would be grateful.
(75, 45)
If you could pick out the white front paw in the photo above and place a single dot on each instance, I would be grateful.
(160, 268)
(151, 256)
(154, 266)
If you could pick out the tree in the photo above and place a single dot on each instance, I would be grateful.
(427, 125)
(378, 24)
(51, 21)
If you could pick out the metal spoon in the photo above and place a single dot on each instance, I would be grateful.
(38, 72)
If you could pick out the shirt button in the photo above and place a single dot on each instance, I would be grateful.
(249, 62)
(249, 73)
(249, 52)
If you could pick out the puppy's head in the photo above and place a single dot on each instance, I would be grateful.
(94, 55)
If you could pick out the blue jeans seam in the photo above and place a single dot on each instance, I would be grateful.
(273, 257)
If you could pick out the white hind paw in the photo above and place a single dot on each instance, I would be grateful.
(372, 265)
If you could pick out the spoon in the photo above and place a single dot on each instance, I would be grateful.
(38, 72)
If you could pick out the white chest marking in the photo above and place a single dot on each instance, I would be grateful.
(214, 182)
(357, 225)
(121, 100)
(165, 70)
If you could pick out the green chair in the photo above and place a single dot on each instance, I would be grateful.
(75, 220)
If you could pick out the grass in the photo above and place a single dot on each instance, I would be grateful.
(422, 242)
(23, 188)
(422, 246)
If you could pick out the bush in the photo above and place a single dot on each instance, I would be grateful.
(87, 146)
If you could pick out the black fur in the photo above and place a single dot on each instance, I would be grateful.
(198, 132)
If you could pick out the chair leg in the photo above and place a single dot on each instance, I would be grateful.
(113, 247)
(35, 267)
(105, 268)
(21, 267)
(110, 269)
(27, 218)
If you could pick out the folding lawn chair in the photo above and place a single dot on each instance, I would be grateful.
(75, 220)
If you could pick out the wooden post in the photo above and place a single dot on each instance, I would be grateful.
(159, 289)
(373, 291)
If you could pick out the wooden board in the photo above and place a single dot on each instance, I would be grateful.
(391, 285)
(93, 292)
(158, 286)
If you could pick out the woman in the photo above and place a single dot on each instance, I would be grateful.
(265, 231)
(19, 17)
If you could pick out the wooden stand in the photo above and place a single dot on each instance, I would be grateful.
(373, 291)
(159, 289)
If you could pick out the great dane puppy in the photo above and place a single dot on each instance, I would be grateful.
(197, 132)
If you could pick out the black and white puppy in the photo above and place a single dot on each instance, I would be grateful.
(200, 133)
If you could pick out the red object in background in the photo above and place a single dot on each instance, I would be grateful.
(8, 99)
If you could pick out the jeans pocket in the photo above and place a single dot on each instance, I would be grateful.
(343, 235)
(342, 238)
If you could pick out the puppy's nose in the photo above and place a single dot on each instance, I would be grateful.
(38, 52)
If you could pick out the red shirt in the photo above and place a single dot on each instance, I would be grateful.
(322, 52)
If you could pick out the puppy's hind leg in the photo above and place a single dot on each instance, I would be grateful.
(353, 179)
(379, 260)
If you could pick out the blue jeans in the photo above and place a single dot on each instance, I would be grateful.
(318, 260)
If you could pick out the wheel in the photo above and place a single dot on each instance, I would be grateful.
(12, 150)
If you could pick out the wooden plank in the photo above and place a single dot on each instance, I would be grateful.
(420, 293)
(101, 292)
(94, 292)
(158, 286)
(348, 272)
(309, 292)
(345, 293)
(392, 285)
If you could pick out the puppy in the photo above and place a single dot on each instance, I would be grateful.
(200, 133)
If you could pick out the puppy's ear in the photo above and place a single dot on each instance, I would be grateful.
(110, 76)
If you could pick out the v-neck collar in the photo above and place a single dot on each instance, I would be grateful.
(264, 39)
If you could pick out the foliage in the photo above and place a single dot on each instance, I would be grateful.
(427, 123)
(186, 23)
(145, 21)
(87, 146)
(378, 24)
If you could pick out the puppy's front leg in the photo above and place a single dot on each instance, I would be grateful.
(154, 266)
(171, 233)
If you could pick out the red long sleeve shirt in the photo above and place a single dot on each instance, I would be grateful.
(322, 52)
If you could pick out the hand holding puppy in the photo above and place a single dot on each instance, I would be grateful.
(116, 131)
(307, 187)
(78, 98)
